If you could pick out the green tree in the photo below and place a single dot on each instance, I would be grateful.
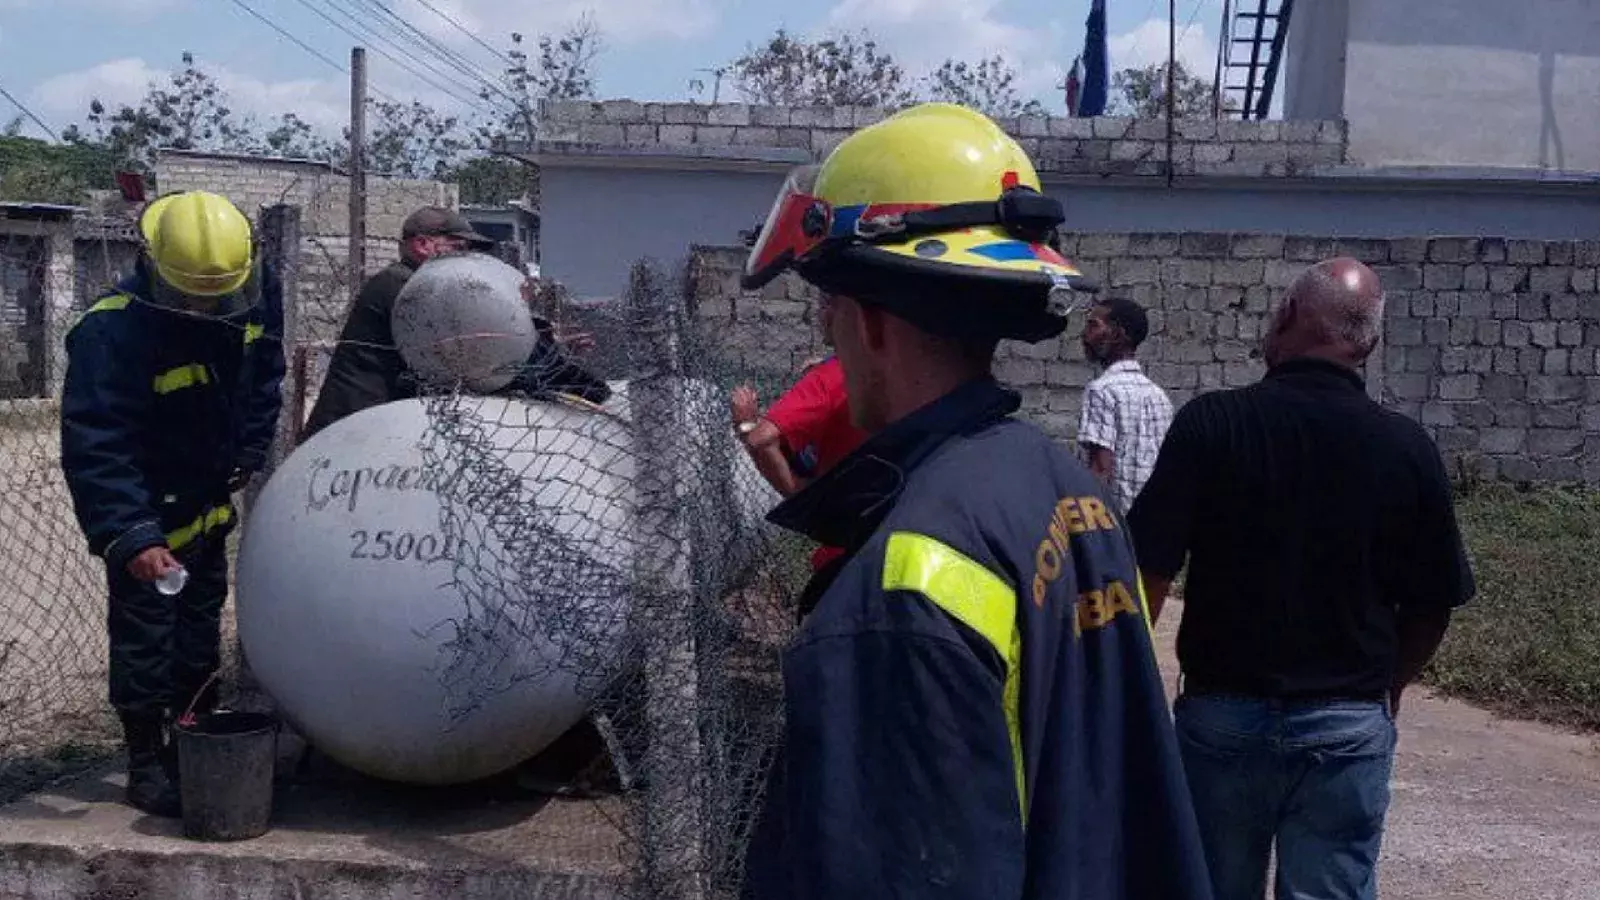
(1142, 93)
(189, 112)
(42, 172)
(989, 86)
(560, 68)
(842, 70)
(494, 180)
(412, 140)
(557, 68)
(293, 137)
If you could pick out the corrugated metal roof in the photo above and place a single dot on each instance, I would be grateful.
(25, 210)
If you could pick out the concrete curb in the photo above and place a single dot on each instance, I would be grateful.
(44, 871)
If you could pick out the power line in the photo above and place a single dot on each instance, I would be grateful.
(385, 32)
(394, 59)
(303, 45)
(29, 113)
(463, 29)
(431, 45)
(1198, 5)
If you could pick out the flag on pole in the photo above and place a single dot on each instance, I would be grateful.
(1097, 75)
(1074, 85)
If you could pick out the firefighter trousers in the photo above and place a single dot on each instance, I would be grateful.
(165, 648)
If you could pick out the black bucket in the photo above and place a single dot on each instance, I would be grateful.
(225, 762)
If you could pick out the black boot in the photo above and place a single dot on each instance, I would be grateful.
(150, 788)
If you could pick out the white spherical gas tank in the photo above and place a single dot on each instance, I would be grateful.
(383, 590)
(461, 319)
(431, 589)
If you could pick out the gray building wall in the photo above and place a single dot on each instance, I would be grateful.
(1452, 82)
(597, 224)
(1491, 344)
(624, 180)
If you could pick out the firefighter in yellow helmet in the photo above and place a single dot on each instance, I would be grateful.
(170, 402)
(973, 708)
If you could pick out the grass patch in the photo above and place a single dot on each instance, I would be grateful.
(1529, 644)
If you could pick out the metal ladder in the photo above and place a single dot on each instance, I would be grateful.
(1249, 55)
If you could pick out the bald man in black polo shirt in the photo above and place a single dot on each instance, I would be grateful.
(1324, 563)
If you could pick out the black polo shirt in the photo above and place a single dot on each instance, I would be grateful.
(1312, 519)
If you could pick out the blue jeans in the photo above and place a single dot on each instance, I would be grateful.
(1311, 777)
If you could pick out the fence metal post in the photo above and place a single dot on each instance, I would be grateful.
(280, 249)
(59, 306)
(663, 592)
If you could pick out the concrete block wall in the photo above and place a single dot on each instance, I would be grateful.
(322, 192)
(1100, 146)
(1493, 345)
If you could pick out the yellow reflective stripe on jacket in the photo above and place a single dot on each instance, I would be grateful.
(252, 332)
(104, 304)
(181, 377)
(1144, 600)
(978, 599)
(107, 304)
(215, 517)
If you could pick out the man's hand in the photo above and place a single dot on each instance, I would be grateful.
(745, 405)
(574, 341)
(152, 563)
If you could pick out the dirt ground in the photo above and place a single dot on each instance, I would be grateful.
(1484, 808)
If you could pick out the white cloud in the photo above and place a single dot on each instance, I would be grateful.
(924, 33)
(135, 7)
(621, 21)
(1146, 45)
(65, 98)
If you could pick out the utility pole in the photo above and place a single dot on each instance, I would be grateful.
(1172, 81)
(358, 169)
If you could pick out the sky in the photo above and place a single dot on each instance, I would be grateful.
(58, 55)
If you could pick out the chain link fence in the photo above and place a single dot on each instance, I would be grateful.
(687, 668)
(54, 717)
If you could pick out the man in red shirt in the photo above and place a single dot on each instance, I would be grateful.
(804, 434)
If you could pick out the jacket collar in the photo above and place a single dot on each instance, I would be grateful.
(845, 505)
(1317, 372)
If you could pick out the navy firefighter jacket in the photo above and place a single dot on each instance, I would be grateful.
(159, 409)
(973, 709)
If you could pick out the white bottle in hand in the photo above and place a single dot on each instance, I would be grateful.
(172, 581)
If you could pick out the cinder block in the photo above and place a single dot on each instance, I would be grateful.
(1073, 127)
(1178, 271)
(771, 116)
(1243, 273)
(1527, 253)
(1112, 128)
(755, 137)
(685, 114)
(714, 135)
(1257, 246)
(622, 111)
(728, 114)
(1543, 442)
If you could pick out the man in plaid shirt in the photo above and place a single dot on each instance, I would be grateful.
(1125, 414)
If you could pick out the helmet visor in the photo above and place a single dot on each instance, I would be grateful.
(798, 223)
(244, 297)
